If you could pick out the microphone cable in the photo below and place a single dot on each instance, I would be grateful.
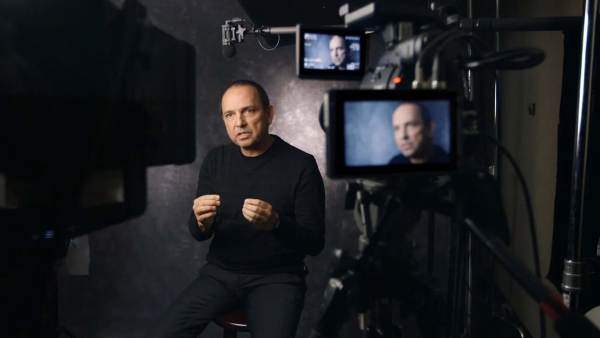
(268, 49)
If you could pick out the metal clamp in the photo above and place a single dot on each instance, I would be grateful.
(572, 275)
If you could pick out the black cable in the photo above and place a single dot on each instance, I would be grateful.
(437, 41)
(531, 216)
(440, 42)
(516, 58)
(443, 40)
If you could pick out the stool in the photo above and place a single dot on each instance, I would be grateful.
(232, 322)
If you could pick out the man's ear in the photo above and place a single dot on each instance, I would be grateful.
(270, 114)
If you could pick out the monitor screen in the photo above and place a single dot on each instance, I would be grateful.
(330, 53)
(380, 132)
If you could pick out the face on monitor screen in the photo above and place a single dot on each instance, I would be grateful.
(381, 132)
(329, 53)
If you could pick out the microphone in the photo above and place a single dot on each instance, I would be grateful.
(231, 32)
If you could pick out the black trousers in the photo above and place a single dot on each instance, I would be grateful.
(273, 303)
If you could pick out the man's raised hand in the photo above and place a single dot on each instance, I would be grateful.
(260, 213)
(205, 209)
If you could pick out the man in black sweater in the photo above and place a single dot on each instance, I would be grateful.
(262, 202)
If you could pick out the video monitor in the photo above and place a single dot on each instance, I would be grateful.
(378, 133)
(328, 53)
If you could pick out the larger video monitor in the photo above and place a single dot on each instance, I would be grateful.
(388, 132)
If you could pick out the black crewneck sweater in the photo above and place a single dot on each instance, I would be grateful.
(283, 176)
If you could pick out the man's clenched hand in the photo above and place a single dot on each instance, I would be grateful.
(205, 209)
(260, 213)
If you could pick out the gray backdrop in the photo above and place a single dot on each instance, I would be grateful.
(137, 268)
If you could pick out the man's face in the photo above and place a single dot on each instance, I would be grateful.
(337, 50)
(246, 120)
(410, 131)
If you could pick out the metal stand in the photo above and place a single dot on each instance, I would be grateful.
(573, 271)
(567, 323)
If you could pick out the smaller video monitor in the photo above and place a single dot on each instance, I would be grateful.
(380, 133)
(330, 53)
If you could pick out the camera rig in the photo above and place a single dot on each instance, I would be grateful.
(418, 56)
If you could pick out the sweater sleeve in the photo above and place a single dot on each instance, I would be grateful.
(306, 231)
(205, 186)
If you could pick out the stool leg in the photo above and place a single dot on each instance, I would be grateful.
(228, 333)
